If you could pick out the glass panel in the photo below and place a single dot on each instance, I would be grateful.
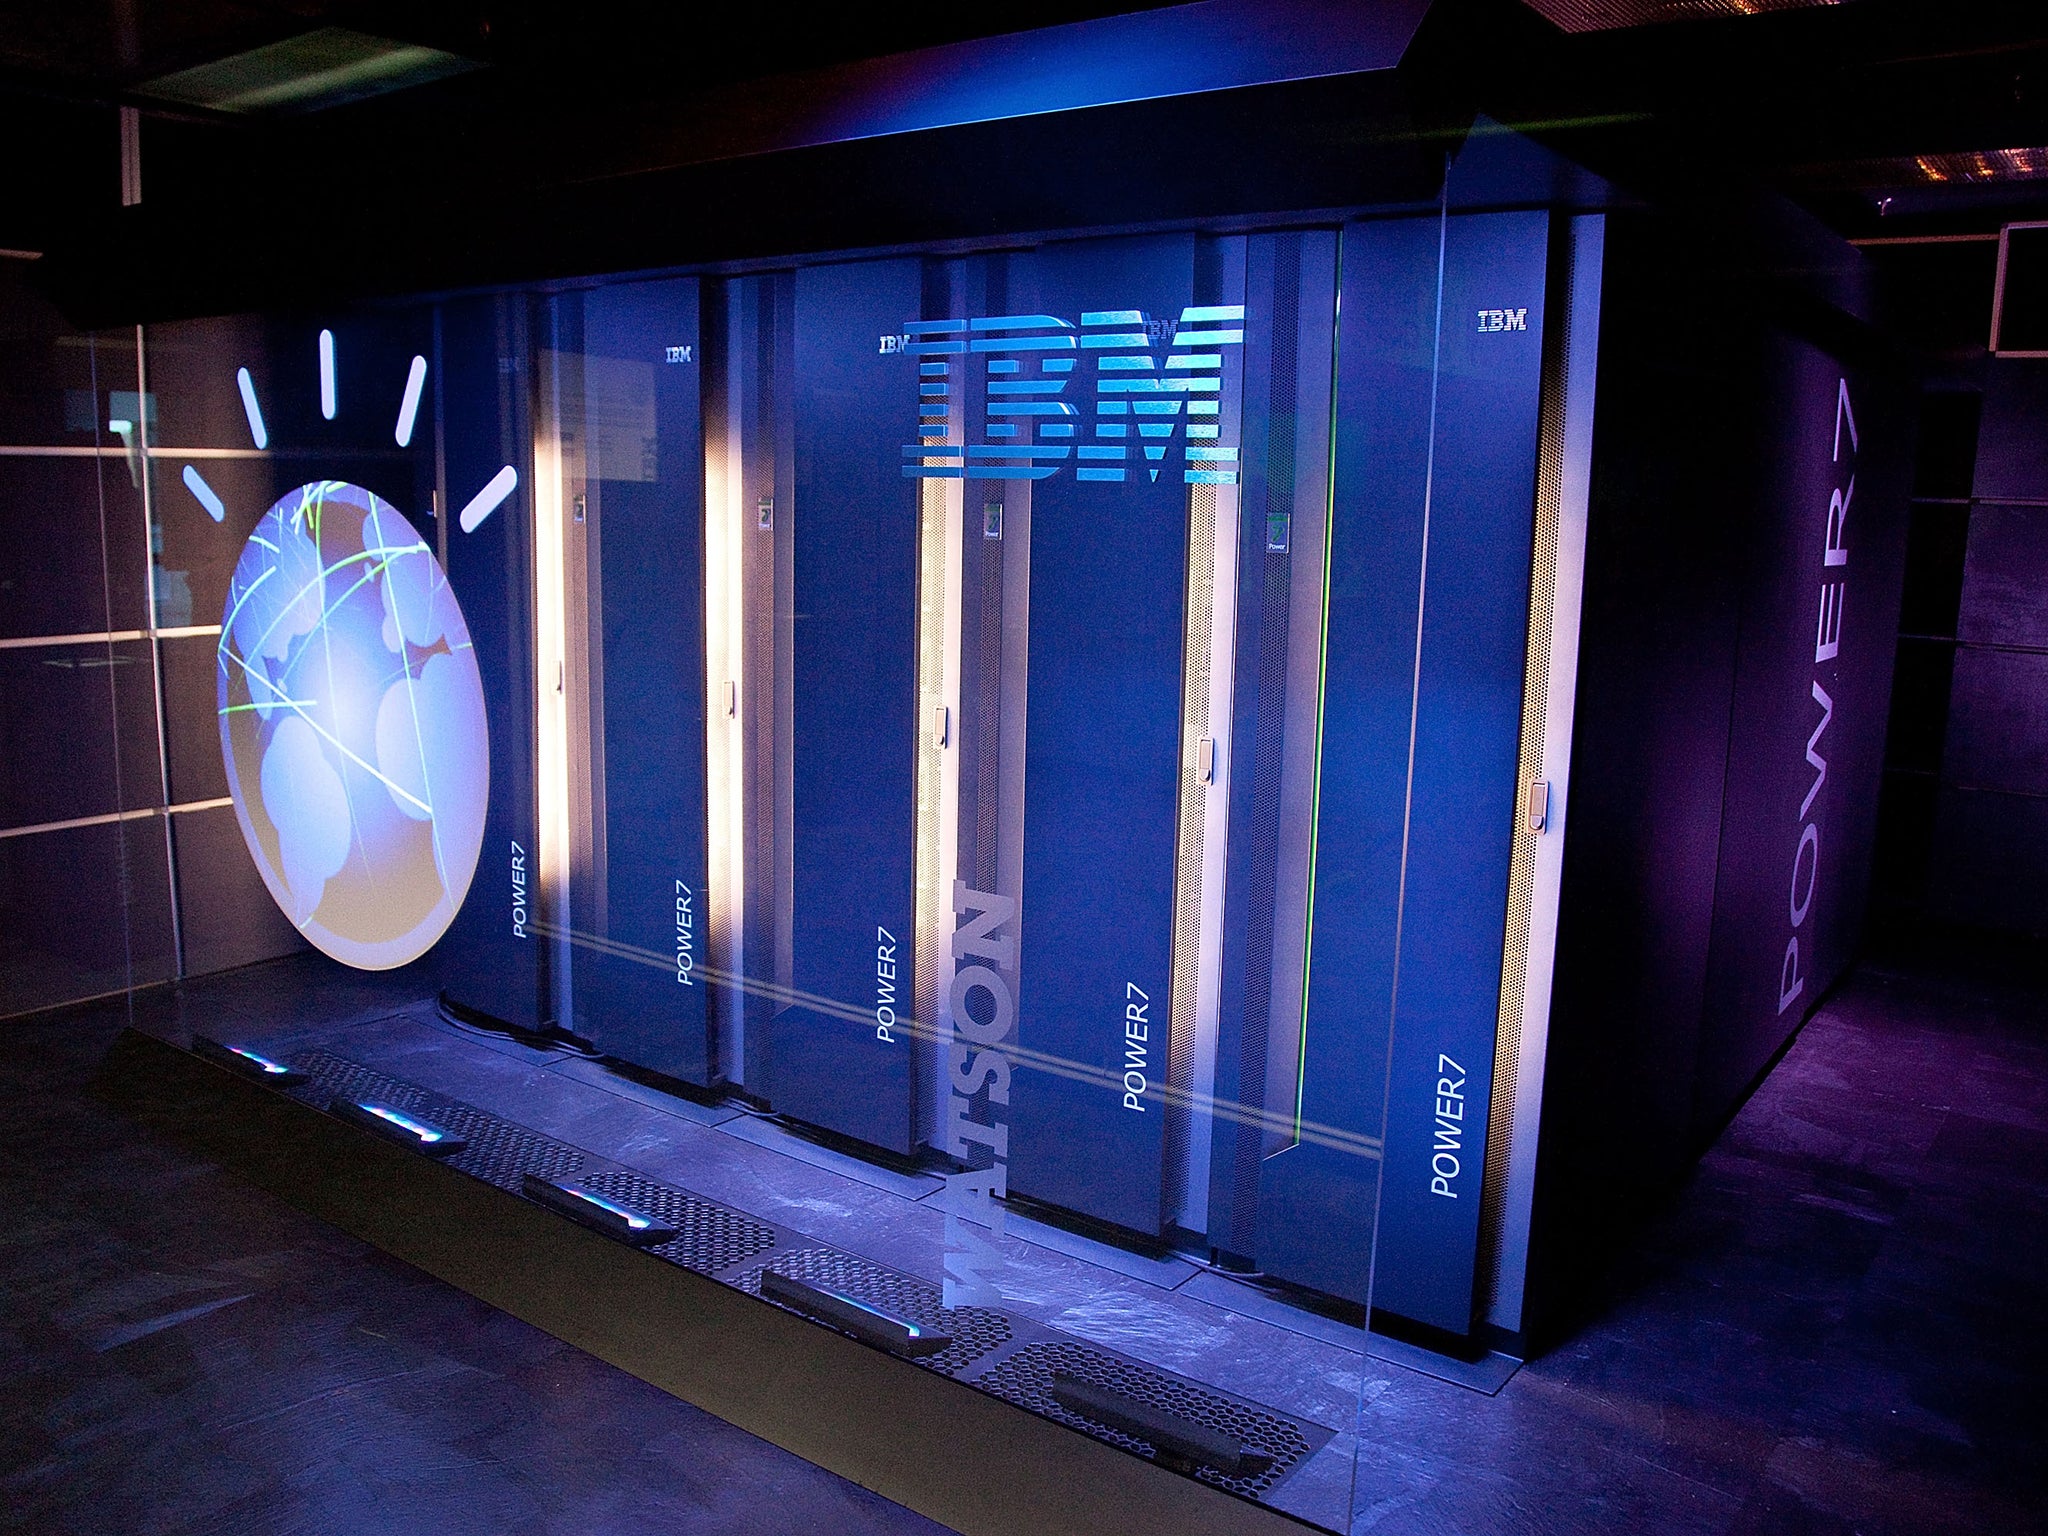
(958, 848)
(226, 916)
(58, 891)
(63, 759)
(57, 576)
(271, 446)
(978, 795)
(50, 374)
(84, 893)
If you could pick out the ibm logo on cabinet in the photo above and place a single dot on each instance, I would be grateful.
(1112, 396)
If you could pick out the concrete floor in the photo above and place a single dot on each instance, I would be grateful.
(180, 1353)
(1836, 1328)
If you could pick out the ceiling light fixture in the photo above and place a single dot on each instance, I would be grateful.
(326, 68)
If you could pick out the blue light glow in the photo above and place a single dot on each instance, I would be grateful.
(272, 1067)
(426, 1133)
(911, 1329)
(637, 1223)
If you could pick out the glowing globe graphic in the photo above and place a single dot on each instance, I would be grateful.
(352, 725)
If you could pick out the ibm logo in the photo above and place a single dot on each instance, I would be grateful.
(1503, 320)
(1033, 418)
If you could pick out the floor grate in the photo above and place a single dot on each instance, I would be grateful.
(499, 1152)
(708, 1237)
(1025, 1378)
(974, 1330)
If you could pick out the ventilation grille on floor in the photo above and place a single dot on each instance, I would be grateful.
(708, 1237)
(499, 1152)
(974, 1330)
(1025, 1378)
(711, 1239)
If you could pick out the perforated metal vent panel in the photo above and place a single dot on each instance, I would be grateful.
(712, 1239)
(974, 1330)
(708, 1237)
(1025, 1378)
(499, 1152)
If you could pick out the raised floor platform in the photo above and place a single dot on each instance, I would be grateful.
(749, 1196)
(1804, 1343)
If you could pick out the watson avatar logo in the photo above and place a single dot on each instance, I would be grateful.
(352, 725)
(351, 709)
(1110, 396)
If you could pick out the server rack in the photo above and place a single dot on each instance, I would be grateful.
(1260, 719)
(845, 1043)
(626, 388)
(493, 961)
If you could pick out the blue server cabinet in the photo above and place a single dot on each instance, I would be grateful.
(843, 1048)
(640, 981)
(492, 960)
(1291, 311)
(1439, 377)
(1109, 550)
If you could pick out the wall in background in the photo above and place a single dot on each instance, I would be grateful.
(1963, 830)
(1990, 855)
(120, 860)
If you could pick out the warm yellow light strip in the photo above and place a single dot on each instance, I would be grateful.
(724, 764)
(938, 757)
(551, 720)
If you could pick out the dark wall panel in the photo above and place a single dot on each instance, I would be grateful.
(77, 732)
(2005, 576)
(72, 561)
(2012, 450)
(55, 384)
(1649, 755)
(1998, 721)
(191, 674)
(1990, 850)
(226, 915)
(1988, 854)
(82, 912)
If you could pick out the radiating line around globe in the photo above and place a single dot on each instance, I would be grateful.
(409, 407)
(209, 498)
(487, 500)
(258, 433)
(327, 401)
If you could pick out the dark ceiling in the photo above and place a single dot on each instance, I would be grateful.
(1883, 117)
(108, 49)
